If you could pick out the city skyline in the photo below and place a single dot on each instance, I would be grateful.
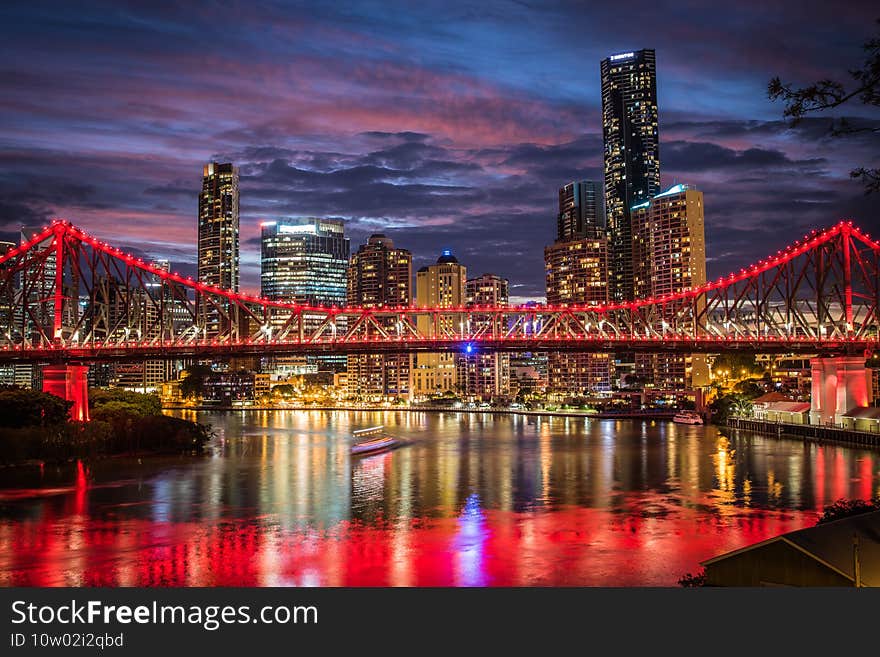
(435, 148)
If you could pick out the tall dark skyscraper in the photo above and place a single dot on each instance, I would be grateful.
(632, 154)
(218, 226)
(218, 236)
(581, 212)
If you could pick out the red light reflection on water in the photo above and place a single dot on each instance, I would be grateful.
(569, 546)
(473, 502)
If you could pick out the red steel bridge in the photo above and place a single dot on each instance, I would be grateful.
(69, 298)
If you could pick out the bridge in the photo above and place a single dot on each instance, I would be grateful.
(68, 299)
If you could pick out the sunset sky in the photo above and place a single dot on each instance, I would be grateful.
(443, 125)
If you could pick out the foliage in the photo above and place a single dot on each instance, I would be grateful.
(121, 434)
(844, 508)
(729, 405)
(20, 407)
(693, 581)
(736, 362)
(830, 94)
(193, 384)
(115, 399)
(284, 390)
(37, 426)
(749, 389)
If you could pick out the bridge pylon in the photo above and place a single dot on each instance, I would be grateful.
(69, 382)
(839, 384)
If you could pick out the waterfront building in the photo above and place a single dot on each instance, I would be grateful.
(441, 285)
(669, 256)
(577, 273)
(218, 238)
(485, 376)
(379, 276)
(632, 154)
(304, 260)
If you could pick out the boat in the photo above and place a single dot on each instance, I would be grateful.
(372, 440)
(687, 417)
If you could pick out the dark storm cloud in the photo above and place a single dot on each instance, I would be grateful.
(702, 156)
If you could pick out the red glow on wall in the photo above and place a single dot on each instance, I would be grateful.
(69, 382)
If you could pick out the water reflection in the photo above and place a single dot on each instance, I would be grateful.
(476, 500)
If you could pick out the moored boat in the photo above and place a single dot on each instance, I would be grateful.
(687, 417)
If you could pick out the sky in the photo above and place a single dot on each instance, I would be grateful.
(443, 125)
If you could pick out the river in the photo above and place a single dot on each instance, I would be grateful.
(475, 499)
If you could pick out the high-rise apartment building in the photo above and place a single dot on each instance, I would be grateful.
(576, 269)
(577, 273)
(379, 276)
(218, 263)
(581, 211)
(441, 285)
(632, 154)
(669, 254)
(485, 376)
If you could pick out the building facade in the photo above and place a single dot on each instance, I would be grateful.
(581, 212)
(379, 276)
(576, 270)
(218, 240)
(631, 154)
(485, 376)
(669, 256)
(305, 261)
(441, 285)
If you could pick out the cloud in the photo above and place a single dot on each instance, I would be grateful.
(705, 156)
(444, 125)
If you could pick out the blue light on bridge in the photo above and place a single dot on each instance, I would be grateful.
(469, 348)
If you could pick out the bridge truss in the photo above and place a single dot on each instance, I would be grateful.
(66, 296)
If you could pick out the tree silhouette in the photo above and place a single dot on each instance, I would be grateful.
(829, 94)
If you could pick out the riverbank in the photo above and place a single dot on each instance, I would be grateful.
(622, 415)
(807, 431)
(119, 436)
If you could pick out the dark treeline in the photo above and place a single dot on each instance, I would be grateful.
(36, 426)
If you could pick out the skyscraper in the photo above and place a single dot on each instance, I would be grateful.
(669, 255)
(218, 234)
(632, 154)
(576, 270)
(577, 273)
(304, 260)
(485, 376)
(379, 276)
(218, 226)
(441, 285)
(580, 210)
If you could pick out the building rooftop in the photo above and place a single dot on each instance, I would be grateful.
(832, 544)
(447, 258)
(864, 413)
(772, 397)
